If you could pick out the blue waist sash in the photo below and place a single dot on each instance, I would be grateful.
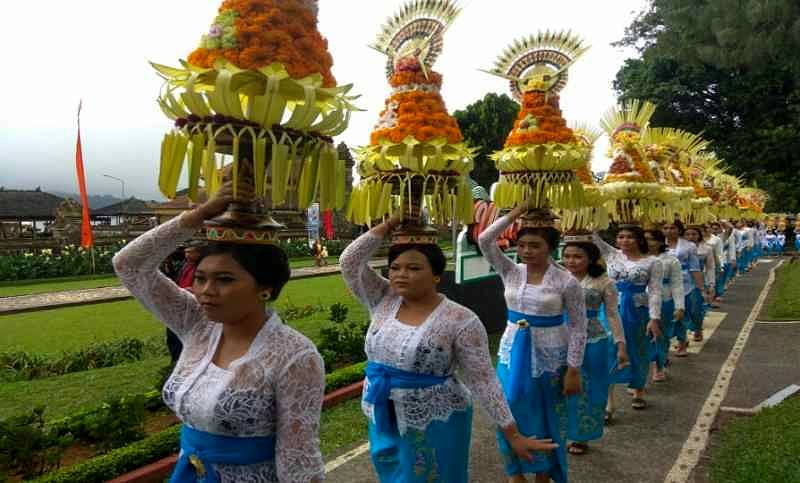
(520, 379)
(382, 379)
(666, 281)
(201, 450)
(685, 266)
(627, 305)
(592, 314)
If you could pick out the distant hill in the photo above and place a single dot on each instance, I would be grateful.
(95, 201)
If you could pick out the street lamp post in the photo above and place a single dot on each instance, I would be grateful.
(121, 181)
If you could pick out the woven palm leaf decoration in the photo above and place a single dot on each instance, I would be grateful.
(593, 215)
(257, 91)
(630, 185)
(538, 161)
(416, 158)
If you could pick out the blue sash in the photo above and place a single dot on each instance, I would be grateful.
(382, 379)
(520, 379)
(592, 313)
(627, 306)
(201, 450)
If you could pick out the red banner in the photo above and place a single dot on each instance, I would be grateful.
(327, 223)
(87, 240)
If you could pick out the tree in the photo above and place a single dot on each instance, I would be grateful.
(702, 69)
(485, 125)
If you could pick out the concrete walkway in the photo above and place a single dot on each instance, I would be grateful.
(52, 300)
(645, 446)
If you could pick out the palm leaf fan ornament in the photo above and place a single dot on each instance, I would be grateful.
(416, 32)
(541, 153)
(417, 159)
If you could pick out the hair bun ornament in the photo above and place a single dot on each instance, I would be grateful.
(538, 218)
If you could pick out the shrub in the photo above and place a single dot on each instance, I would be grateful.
(69, 261)
(342, 341)
(19, 365)
(28, 447)
(344, 376)
(119, 461)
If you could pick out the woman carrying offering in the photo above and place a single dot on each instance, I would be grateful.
(419, 412)
(541, 351)
(587, 411)
(247, 388)
(638, 279)
(672, 301)
(686, 253)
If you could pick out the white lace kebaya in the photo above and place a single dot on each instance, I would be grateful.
(553, 347)
(276, 388)
(646, 271)
(451, 340)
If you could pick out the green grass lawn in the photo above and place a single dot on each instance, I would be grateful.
(341, 427)
(71, 393)
(763, 448)
(70, 328)
(29, 287)
(783, 302)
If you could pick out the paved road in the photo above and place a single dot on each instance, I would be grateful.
(644, 446)
(28, 303)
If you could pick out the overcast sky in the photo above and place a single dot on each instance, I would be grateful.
(56, 52)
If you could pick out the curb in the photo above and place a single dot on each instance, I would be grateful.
(161, 469)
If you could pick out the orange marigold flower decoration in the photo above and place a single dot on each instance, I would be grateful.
(550, 125)
(422, 115)
(267, 33)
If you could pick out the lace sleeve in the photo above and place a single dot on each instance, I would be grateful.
(136, 266)
(654, 288)
(488, 244)
(610, 304)
(367, 285)
(575, 302)
(475, 364)
(299, 393)
(607, 251)
(676, 283)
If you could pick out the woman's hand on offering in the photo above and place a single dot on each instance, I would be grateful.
(678, 314)
(217, 204)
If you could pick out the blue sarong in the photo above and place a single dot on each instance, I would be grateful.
(587, 409)
(693, 315)
(201, 450)
(659, 350)
(520, 379)
(634, 323)
(440, 452)
(541, 412)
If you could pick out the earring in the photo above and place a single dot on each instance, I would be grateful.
(437, 279)
(266, 295)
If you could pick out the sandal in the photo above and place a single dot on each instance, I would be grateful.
(659, 376)
(681, 352)
(638, 403)
(698, 336)
(577, 449)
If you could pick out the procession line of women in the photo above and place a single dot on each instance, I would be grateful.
(249, 389)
